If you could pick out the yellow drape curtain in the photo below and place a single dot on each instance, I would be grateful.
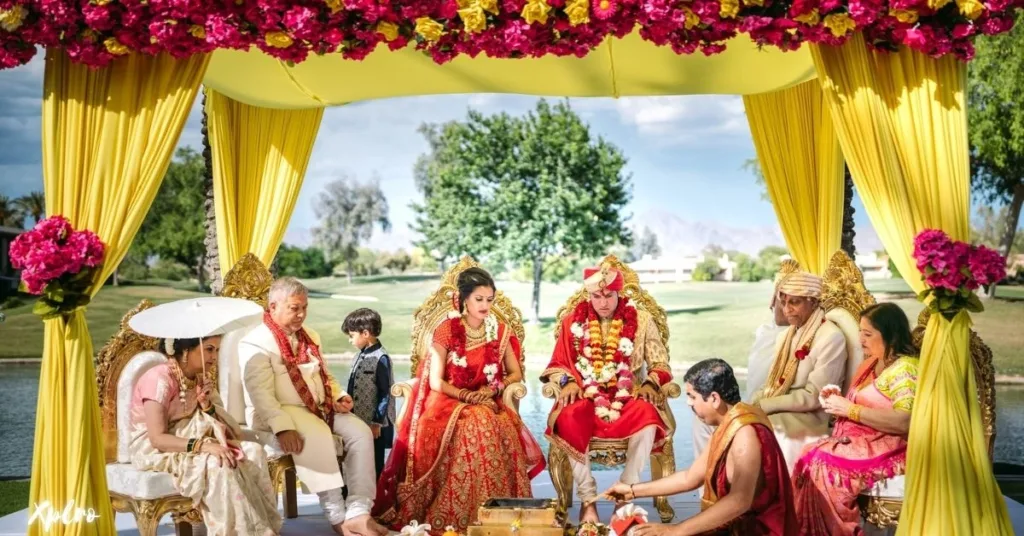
(902, 124)
(259, 162)
(803, 169)
(108, 135)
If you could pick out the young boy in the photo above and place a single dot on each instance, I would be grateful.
(371, 379)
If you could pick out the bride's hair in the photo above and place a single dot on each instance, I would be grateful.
(470, 280)
(178, 347)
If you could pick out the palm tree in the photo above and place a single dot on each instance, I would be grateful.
(32, 205)
(10, 214)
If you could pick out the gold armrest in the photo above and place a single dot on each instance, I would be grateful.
(514, 392)
(551, 390)
(402, 390)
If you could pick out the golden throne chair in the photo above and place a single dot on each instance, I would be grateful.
(880, 506)
(435, 310)
(611, 453)
(150, 495)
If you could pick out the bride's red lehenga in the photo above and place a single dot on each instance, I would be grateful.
(450, 457)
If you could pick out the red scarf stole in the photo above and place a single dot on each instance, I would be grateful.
(292, 360)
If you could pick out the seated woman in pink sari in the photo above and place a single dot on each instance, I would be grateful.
(869, 442)
(458, 444)
(179, 426)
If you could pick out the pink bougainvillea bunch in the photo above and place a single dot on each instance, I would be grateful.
(953, 270)
(95, 32)
(57, 263)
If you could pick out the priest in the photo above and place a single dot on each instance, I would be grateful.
(747, 488)
(610, 363)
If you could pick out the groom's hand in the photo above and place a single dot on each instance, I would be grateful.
(570, 393)
(648, 392)
(291, 442)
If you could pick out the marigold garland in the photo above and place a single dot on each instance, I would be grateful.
(604, 362)
(95, 33)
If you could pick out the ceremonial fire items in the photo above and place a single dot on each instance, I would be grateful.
(953, 270)
(517, 517)
(627, 519)
(57, 264)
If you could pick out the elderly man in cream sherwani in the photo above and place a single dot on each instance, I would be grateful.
(290, 392)
(809, 355)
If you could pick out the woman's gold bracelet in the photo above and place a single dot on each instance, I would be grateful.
(854, 412)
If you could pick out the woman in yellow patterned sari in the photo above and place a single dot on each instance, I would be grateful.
(869, 442)
(459, 445)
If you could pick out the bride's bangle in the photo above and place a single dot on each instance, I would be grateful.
(462, 395)
(854, 412)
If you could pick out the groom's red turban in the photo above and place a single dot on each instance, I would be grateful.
(602, 278)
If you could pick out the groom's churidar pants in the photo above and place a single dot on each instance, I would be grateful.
(637, 454)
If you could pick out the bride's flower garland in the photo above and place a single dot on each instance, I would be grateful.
(604, 364)
(457, 369)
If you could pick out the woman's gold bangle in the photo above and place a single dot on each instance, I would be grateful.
(854, 412)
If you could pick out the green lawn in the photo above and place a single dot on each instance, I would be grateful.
(13, 496)
(705, 319)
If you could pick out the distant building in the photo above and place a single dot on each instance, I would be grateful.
(874, 266)
(677, 269)
(9, 277)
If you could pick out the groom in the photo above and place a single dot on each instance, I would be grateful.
(604, 348)
(290, 392)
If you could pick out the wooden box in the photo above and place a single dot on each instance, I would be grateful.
(517, 517)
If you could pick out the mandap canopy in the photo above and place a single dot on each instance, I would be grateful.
(879, 82)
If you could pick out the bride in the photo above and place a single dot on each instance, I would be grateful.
(460, 445)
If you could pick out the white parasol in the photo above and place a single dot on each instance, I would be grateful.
(196, 318)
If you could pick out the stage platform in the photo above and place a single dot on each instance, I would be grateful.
(312, 523)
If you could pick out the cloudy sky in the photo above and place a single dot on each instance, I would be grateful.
(685, 156)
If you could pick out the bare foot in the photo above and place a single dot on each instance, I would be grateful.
(588, 512)
(364, 526)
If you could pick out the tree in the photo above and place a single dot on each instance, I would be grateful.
(173, 229)
(771, 259)
(10, 215)
(748, 270)
(32, 206)
(304, 263)
(707, 270)
(987, 228)
(996, 127)
(647, 244)
(522, 189)
(348, 211)
(454, 218)
(753, 166)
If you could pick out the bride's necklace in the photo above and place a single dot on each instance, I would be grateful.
(471, 333)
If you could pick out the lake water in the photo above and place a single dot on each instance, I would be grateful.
(19, 393)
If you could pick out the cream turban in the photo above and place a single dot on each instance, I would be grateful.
(800, 284)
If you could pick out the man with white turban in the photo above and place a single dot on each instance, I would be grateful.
(809, 355)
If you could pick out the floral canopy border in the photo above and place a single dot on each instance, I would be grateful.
(95, 32)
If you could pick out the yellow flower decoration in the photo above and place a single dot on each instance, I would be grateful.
(197, 31)
(811, 18)
(12, 19)
(388, 29)
(938, 4)
(906, 16)
(840, 24)
(578, 11)
(692, 20)
(101, 2)
(490, 6)
(429, 29)
(972, 9)
(729, 8)
(279, 40)
(334, 5)
(114, 46)
(536, 11)
(473, 18)
(753, 2)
